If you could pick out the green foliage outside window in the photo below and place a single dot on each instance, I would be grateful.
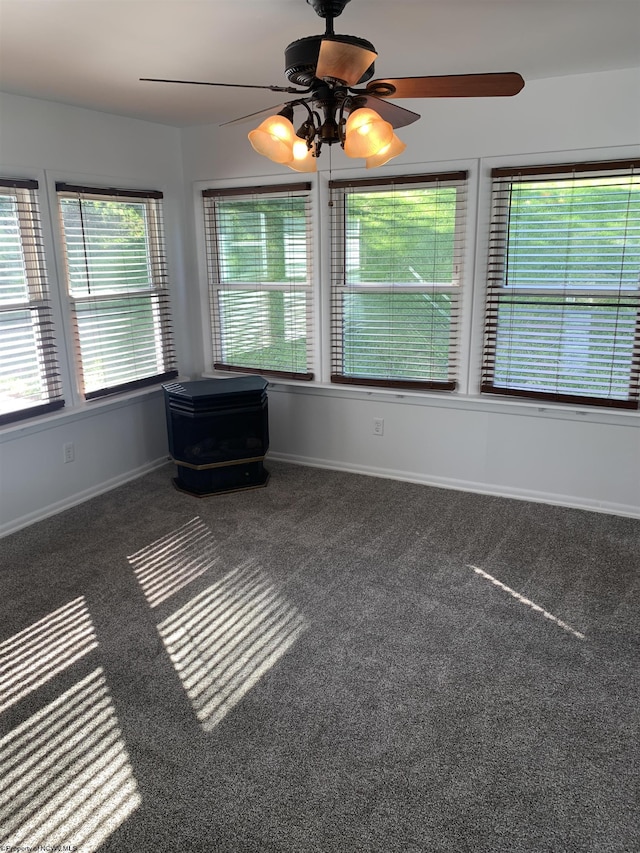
(110, 276)
(262, 244)
(399, 262)
(568, 314)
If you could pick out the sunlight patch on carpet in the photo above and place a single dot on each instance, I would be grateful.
(227, 637)
(170, 563)
(32, 657)
(527, 602)
(65, 773)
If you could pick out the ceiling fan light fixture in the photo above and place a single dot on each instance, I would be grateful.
(303, 159)
(275, 136)
(345, 58)
(324, 70)
(388, 152)
(366, 133)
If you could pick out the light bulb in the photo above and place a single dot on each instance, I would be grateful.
(303, 159)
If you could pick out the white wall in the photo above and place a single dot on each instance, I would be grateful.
(113, 443)
(556, 114)
(579, 457)
(554, 456)
(589, 459)
(114, 439)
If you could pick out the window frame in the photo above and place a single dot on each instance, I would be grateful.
(38, 301)
(157, 293)
(496, 294)
(458, 179)
(213, 243)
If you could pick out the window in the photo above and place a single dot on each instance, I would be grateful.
(260, 279)
(117, 283)
(563, 303)
(397, 252)
(29, 381)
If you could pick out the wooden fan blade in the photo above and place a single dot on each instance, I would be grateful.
(343, 61)
(448, 86)
(231, 85)
(395, 115)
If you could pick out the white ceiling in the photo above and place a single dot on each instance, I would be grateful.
(91, 53)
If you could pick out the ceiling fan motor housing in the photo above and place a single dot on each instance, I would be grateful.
(301, 58)
(328, 8)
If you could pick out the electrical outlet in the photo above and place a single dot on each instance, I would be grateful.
(378, 426)
(68, 452)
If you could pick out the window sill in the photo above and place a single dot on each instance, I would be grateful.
(455, 400)
(88, 409)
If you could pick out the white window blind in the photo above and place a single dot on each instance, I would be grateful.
(29, 380)
(397, 252)
(117, 283)
(563, 299)
(259, 256)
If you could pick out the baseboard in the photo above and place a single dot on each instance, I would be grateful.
(406, 476)
(569, 501)
(80, 497)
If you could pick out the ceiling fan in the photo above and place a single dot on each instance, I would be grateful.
(328, 72)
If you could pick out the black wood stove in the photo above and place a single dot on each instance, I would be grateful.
(218, 433)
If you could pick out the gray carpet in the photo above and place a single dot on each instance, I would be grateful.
(333, 663)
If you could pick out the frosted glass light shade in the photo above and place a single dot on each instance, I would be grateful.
(303, 160)
(274, 138)
(366, 133)
(388, 152)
